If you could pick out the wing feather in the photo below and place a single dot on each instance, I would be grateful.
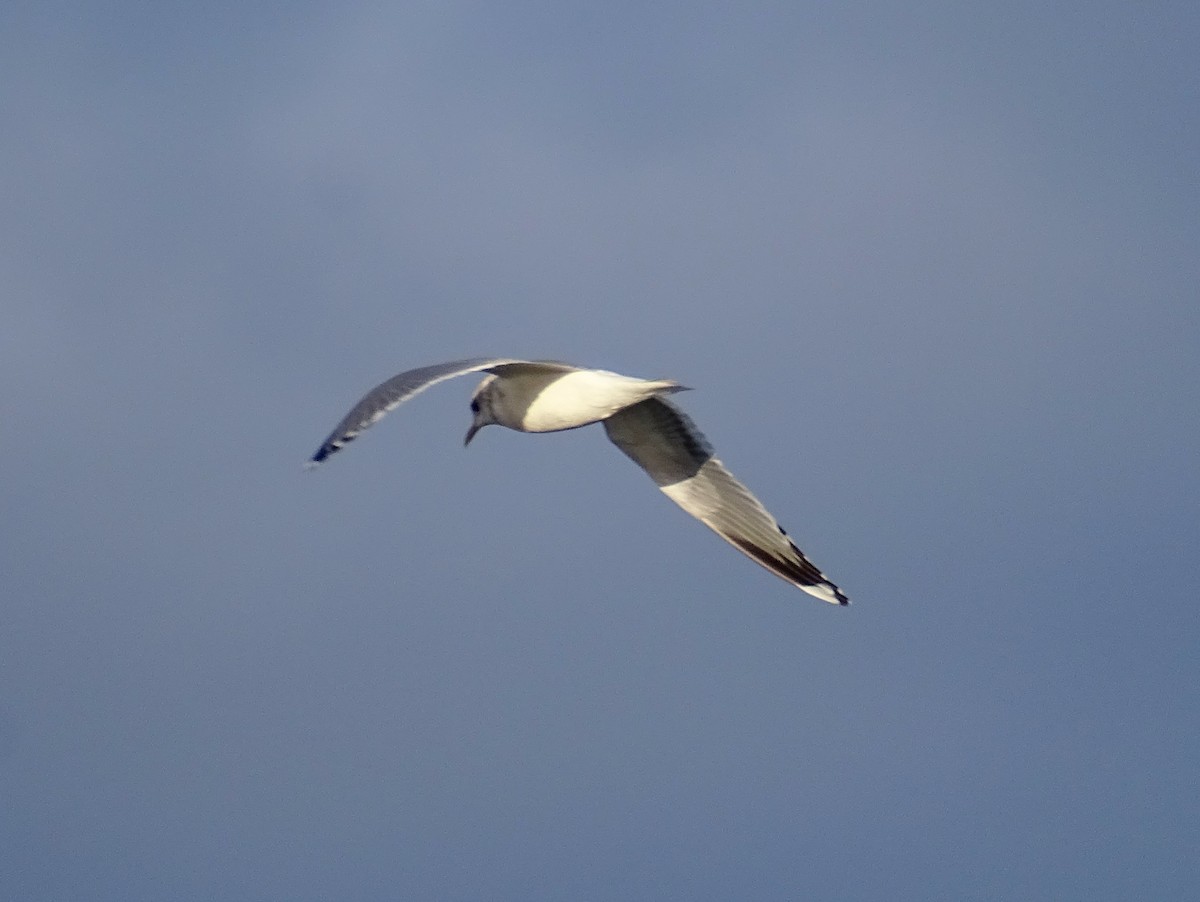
(395, 391)
(663, 441)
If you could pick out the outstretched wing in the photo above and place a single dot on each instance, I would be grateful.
(663, 441)
(395, 391)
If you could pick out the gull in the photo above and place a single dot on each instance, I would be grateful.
(548, 396)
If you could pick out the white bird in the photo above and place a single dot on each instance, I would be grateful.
(546, 396)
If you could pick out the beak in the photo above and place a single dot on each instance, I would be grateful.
(475, 427)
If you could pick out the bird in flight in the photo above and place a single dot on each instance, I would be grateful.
(547, 396)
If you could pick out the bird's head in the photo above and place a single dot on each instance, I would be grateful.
(482, 407)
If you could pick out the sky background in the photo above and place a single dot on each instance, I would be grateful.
(932, 269)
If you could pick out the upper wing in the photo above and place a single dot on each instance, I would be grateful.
(662, 440)
(395, 391)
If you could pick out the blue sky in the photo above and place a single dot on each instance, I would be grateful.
(932, 271)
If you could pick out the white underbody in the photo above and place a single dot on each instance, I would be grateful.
(549, 402)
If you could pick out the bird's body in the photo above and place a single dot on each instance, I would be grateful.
(547, 396)
(533, 399)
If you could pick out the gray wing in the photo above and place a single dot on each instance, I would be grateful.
(663, 441)
(395, 391)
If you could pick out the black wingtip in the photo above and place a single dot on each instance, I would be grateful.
(842, 599)
(323, 452)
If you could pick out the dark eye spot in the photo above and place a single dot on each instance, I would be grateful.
(474, 406)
